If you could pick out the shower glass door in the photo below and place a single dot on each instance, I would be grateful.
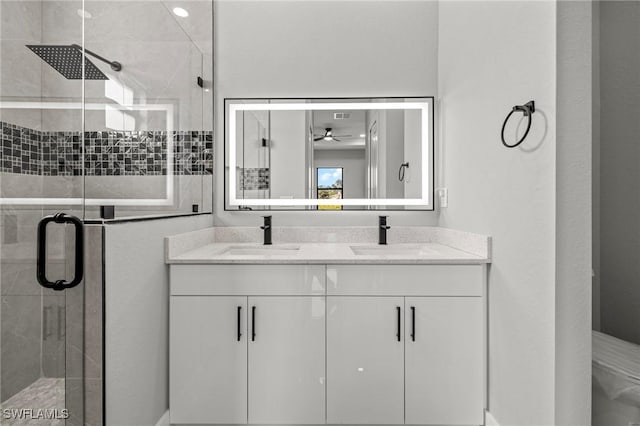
(42, 340)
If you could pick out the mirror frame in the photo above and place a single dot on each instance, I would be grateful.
(426, 105)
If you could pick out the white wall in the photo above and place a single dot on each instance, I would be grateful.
(412, 151)
(137, 318)
(394, 152)
(20, 70)
(493, 55)
(288, 153)
(276, 49)
(573, 214)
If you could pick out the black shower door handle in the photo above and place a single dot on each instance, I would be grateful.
(41, 273)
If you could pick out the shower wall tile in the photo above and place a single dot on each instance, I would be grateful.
(9, 228)
(53, 335)
(255, 178)
(74, 387)
(93, 407)
(18, 186)
(131, 153)
(18, 278)
(20, 334)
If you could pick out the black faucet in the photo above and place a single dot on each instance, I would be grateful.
(267, 230)
(382, 229)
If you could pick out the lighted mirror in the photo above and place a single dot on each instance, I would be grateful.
(329, 154)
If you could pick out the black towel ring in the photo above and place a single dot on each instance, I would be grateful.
(403, 166)
(527, 109)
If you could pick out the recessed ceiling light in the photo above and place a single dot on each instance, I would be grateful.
(362, 135)
(84, 14)
(178, 11)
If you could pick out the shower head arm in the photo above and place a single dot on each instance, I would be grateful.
(116, 66)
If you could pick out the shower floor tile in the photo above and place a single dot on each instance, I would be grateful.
(43, 394)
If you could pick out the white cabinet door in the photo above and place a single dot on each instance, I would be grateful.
(444, 360)
(365, 360)
(287, 360)
(208, 359)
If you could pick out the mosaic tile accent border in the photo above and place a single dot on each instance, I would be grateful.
(134, 153)
(20, 150)
(255, 178)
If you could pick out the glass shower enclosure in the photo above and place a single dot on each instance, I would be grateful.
(105, 114)
(41, 328)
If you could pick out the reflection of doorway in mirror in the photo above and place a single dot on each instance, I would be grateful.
(330, 186)
(373, 160)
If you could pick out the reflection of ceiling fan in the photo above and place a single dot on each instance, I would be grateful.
(329, 136)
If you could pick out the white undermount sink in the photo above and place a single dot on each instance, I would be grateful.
(390, 250)
(260, 250)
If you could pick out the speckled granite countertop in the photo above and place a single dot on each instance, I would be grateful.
(328, 245)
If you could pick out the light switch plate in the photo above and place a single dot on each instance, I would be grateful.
(443, 197)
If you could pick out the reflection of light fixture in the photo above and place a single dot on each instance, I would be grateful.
(178, 11)
(329, 136)
(84, 14)
(362, 135)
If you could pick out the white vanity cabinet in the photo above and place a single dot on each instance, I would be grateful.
(286, 368)
(208, 356)
(444, 362)
(365, 360)
(405, 344)
(244, 358)
(398, 344)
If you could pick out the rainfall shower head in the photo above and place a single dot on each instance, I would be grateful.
(67, 60)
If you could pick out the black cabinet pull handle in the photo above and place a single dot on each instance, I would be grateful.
(253, 323)
(41, 273)
(238, 329)
(398, 310)
(413, 323)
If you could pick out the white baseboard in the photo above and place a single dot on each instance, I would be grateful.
(489, 420)
(164, 420)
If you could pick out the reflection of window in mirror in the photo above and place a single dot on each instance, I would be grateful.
(330, 186)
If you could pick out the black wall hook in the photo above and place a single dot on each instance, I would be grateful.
(527, 109)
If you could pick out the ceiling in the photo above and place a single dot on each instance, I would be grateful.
(199, 24)
(354, 125)
(140, 21)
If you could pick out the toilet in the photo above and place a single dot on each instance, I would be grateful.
(616, 381)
